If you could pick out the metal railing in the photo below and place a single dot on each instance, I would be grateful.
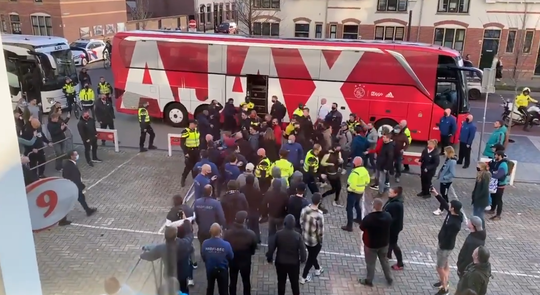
(69, 147)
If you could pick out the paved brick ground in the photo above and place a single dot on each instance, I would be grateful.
(132, 193)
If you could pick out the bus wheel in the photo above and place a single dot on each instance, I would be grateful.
(176, 115)
(385, 123)
(474, 94)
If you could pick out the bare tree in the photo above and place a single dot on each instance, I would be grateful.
(247, 12)
(140, 11)
(521, 52)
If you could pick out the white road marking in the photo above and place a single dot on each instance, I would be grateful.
(111, 173)
(503, 272)
(162, 228)
(453, 191)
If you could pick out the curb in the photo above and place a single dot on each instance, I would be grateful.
(512, 88)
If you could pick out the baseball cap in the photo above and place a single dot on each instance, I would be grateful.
(476, 222)
(456, 205)
(250, 167)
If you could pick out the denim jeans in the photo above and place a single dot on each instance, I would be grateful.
(381, 175)
(353, 202)
(397, 166)
(478, 211)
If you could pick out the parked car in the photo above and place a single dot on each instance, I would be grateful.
(474, 83)
(88, 50)
(226, 28)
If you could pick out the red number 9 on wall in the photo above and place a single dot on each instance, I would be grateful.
(50, 200)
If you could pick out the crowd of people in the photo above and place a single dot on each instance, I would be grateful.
(257, 172)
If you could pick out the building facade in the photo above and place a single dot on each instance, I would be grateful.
(72, 19)
(481, 29)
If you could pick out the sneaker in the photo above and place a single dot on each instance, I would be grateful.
(90, 164)
(442, 291)
(194, 265)
(343, 172)
(437, 212)
(305, 280)
(365, 282)
(152, 147)
(374, 187)
(439, 285)
(96, 160)
(91, 211)
(397, 267)
(397, 180)
(190, 282)
(346, 228)
(387, 184)
(488, 208)
(64, 222)
(495, 218)
(142, 150)
(319, 271)
(336, 204)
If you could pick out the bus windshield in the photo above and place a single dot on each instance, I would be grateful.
(451, 85)
(61, 66)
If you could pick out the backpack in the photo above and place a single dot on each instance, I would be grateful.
(510, 165)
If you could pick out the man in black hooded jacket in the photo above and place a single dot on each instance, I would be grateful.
(244, 243)
(475, 239)
(291, 252)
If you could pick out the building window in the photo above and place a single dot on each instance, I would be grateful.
(15, 21)
(527, 43)
(318, 31)
(4, 24)
(454, 6)
(301, 30)
(350, 32)
(39, 1)
(208, 13)
(333, 31)
(41, 25)
(389, 33)
(451, 38)
(266, 29)
(228, 11)
(392, 5)
(511, 41)
(266, 4)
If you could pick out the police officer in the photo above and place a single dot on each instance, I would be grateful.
(87, 98)
(144, 123)
(70, 92)
(263, 171)
(247, 106)
(190, 146)
(286, 167)
(105, 87)
(352, 123)
(311, 168)
(299, 111)
(356, 185)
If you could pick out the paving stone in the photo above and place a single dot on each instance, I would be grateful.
(134, 198)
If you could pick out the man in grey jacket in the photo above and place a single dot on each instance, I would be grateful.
(372, 136)
(276, 174)
(242, 177)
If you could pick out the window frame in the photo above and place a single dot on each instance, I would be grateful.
(507, 49)
(298, 32)
(44, 25)
(4, 25)
(384, 28)
(444, 39)
(318, 30)
(343, 33)
(462, 6)
(333, 32)
(527, 44)
(400, 5)
(271, 29)
(266, 4)
(15, 25)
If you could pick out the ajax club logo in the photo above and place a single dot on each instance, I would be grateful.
(359, 91)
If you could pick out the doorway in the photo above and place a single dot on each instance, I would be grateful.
(490, 47)
(257, 91)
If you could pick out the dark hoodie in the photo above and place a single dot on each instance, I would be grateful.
(295, 206)
(473, 241)
(475, 278)
(450, 227)
(394, 206)
(291, 250)
(275, 202)
(55, 130)
(233, 202)
(376, 229)
(296, 178)
(385, 158)
(243, 241)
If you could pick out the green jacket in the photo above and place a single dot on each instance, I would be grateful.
(475, 278)
(498, 136)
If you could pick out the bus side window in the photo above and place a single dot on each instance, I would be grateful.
(13, 77)
(447, 96)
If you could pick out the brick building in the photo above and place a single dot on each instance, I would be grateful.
(482, 29)
(72, 19)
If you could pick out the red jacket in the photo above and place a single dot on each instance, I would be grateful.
(278, 134)
(378, 147)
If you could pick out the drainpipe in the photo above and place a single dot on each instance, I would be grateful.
(419, 20)
(325, 24)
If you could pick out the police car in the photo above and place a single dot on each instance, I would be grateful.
(87, 50)
(474, 85)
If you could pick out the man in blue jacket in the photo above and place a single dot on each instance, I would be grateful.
(466, 138)
(205, 160)
(447, 127)
(217, 254)
(202, 179)
(296, 152)
(207, 212)
(231, 168)
(359, 146)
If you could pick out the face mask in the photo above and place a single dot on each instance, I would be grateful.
(86, 117)
(77, 158)
(477, 169)
(273, 101)
(290, 141)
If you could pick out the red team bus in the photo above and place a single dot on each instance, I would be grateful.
(382, 82)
